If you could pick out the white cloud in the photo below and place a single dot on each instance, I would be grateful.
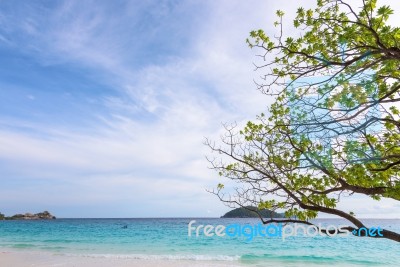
(126, 158)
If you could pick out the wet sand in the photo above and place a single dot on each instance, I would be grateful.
(44, 259)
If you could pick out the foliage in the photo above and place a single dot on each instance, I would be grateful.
(334, 128)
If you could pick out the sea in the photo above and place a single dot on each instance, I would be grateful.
(168, 239)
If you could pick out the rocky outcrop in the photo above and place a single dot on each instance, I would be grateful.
(249, 212)
(45, 215)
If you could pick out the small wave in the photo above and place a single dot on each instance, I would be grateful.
(288, 257)
(306, 259)
(22, 246)
(160, 257)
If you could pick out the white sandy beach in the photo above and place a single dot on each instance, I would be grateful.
(11, 258)
(44, 259)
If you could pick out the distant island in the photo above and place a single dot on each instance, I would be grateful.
(45, 215)
(249, 212)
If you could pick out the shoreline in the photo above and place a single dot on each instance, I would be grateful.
(27, 257)
(16, 258)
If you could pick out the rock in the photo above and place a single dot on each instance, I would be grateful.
(249, 212)
(45, 215)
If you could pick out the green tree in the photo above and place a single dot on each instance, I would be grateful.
(2, 216)
(334, 128)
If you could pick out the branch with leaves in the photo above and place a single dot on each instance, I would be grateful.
(334, 128)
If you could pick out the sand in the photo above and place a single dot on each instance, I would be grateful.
(47, 259)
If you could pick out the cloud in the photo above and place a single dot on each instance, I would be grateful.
(173, 73)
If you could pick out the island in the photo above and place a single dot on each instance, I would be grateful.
(45, 215)
(249, 212)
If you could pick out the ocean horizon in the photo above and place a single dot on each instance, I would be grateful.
(167, 239)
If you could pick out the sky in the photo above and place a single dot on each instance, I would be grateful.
(104, 105)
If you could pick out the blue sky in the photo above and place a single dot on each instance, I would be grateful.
(104, 105)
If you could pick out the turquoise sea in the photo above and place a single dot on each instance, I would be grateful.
(168, 239)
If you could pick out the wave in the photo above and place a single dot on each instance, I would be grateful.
(307, 259)
(159, 257)
(21, 245)
(288, 257)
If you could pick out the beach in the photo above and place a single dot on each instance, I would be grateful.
(46, 259)
(43, 259)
